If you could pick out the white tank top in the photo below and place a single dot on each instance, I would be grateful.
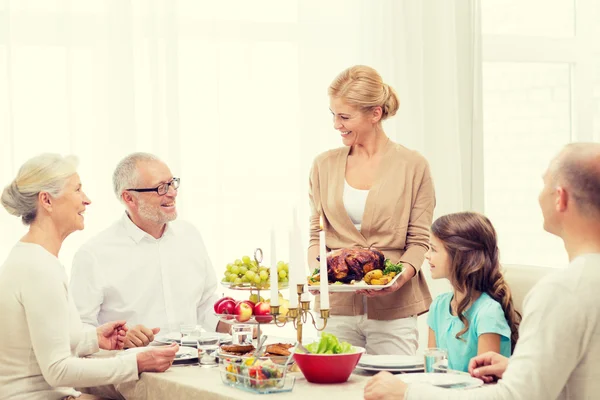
(354, 202)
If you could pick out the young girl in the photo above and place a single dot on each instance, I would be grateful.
(478, 315)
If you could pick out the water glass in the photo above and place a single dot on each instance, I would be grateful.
(186, 329)
(434, 357)
(208, 344)
(241, 334)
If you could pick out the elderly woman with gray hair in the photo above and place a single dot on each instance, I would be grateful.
(42, 337)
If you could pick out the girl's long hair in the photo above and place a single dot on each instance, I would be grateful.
(471, 243)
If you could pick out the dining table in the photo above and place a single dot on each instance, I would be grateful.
(194, 382)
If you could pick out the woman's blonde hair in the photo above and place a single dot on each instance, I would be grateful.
(362, 86)
(44, 173)
(471, 243)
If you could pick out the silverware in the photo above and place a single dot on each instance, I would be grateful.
(304, 349)
(260, 348)
(453, 385)
(287, 361)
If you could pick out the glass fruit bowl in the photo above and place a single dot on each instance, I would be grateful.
(260, 376)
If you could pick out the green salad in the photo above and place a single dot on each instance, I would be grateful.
(329, 344)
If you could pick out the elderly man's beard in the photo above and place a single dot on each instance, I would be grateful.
(154, 213)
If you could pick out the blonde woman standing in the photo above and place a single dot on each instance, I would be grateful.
(42, 336)
(373, 193)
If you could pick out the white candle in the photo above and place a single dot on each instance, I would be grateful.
(324, 284)
(301, 257)
(291, 273)
(274, 276)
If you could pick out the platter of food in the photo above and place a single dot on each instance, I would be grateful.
(277, 352)
(351, 270)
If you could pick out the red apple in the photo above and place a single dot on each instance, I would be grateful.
(216, 306)
(226, 307)
(243, 311)
(250, 303)
(262, 312)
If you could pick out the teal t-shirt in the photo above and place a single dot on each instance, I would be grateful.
(485, 316)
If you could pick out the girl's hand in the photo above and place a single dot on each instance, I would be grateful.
(406, 276)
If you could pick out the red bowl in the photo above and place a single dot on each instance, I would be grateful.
(328, 368)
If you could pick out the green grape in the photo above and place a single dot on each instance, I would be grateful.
(254, 263)
(264, 275)
(232, 277)
(280, 263)
(283, 280)
(238, 262)
(238, 281)
(226, 273)
(235, 269)
(250, 275)
(286, 267)
(245, 278)
(229, 267)
(279, 268)
(257, 279)
(254, 269)
(243, 270)
(282, 274)
(224, 279)
(246, 260)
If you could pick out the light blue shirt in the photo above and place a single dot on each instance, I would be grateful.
(485, 316)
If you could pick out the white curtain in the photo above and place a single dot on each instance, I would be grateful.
(232, 95)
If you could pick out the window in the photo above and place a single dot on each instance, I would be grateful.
(541, 90)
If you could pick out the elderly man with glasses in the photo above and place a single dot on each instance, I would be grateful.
(147, 268)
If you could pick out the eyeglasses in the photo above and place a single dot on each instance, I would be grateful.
(161, 189)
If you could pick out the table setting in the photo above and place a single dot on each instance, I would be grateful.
(231, 366)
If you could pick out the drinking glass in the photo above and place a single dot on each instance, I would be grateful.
(434, 357)
(208, 344)
(241, 334)
(186, 329)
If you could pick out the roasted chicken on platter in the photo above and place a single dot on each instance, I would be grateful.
(347, 265)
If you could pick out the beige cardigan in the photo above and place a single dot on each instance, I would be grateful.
(396, 220)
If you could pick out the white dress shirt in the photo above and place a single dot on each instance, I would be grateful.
(41, 335)
(126, 274)
(558, 351)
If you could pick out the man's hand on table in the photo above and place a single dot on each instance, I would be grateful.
(111, 336)
(385, 386)
(140, 336)
(488, 366)
(157, 359)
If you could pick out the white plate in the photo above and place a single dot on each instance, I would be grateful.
(390, 361)
(362, 285)
(389, 369)
(183, 354)
(175, 337)
(450, 381)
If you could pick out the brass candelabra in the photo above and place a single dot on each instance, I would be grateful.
(299, 315)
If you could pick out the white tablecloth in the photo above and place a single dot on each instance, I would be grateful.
(193, 382)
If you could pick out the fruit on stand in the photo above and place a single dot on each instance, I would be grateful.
(255, 298)
(245, 272)
(216, 306)
(284, 306)
(226, 307)
(243, 311)
(262, 312)
(250, 303)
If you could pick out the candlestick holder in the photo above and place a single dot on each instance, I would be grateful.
(299, 316)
